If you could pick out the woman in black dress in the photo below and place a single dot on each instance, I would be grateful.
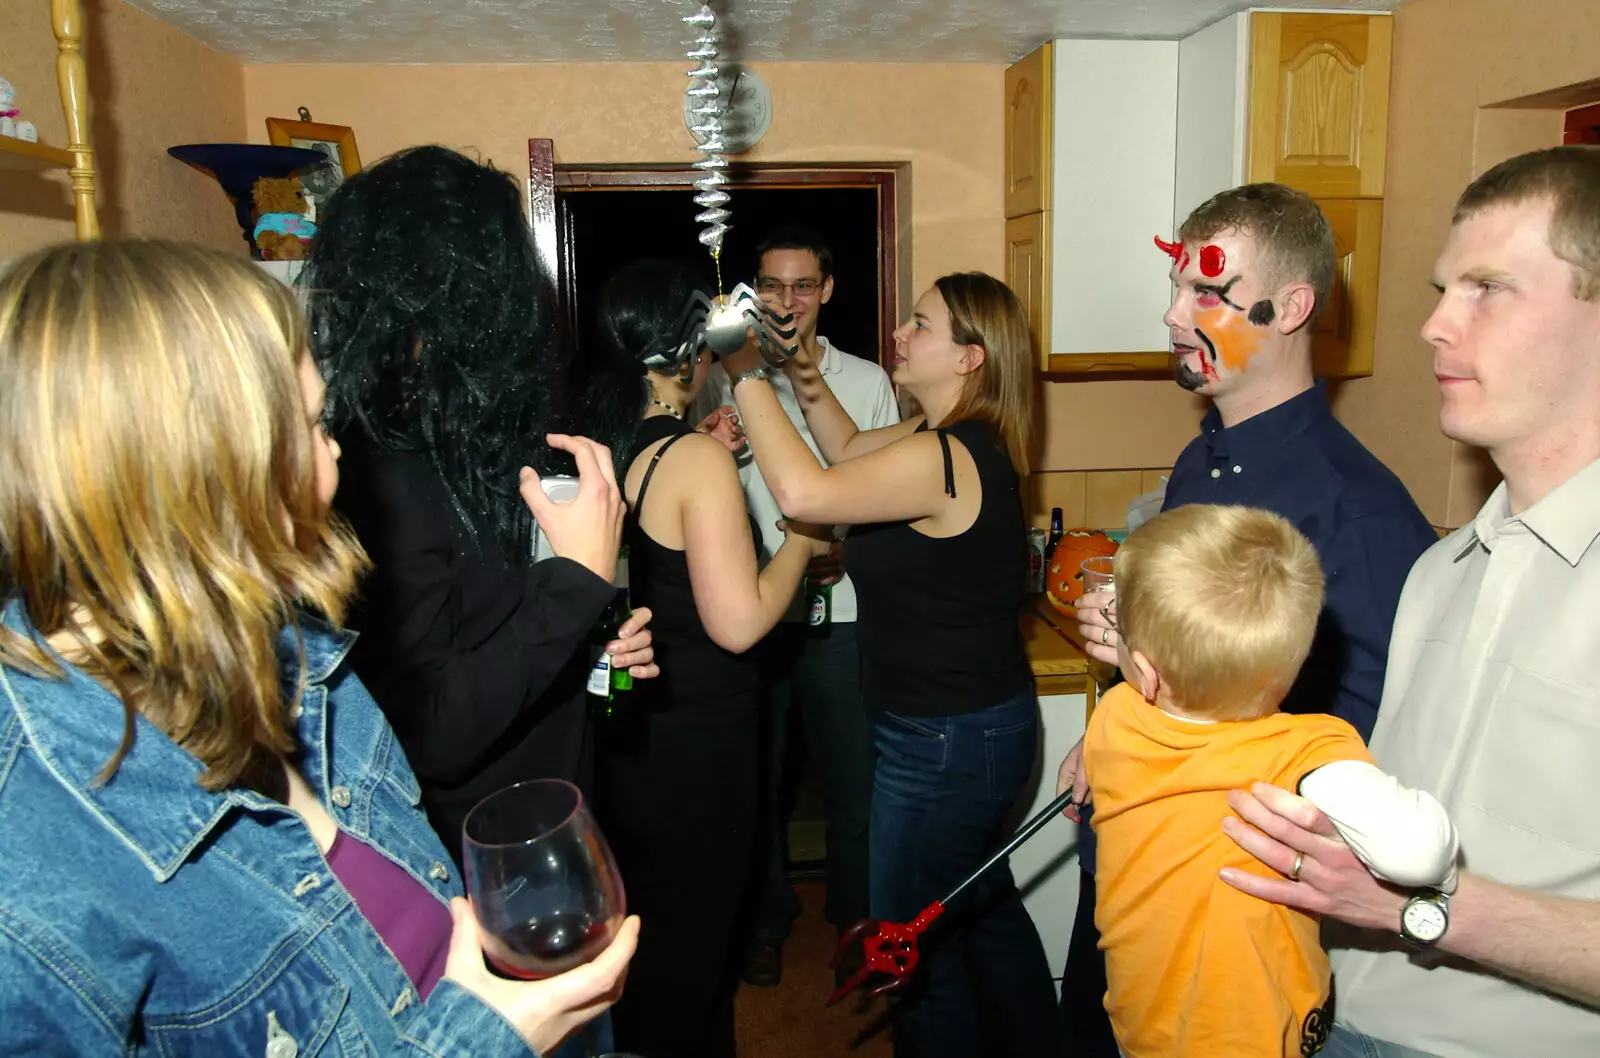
(677, 792)
(936, 550)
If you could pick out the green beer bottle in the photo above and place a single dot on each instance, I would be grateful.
(819, 607)
(606, 681)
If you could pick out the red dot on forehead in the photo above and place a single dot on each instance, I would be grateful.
(1213, 260)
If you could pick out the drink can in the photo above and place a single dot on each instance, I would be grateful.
(1037, 560)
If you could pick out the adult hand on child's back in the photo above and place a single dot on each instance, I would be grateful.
(1071, 776)
(588, 528)
(546, 1012)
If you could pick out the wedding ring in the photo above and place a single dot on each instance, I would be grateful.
(1105, 637)
(1294, 872)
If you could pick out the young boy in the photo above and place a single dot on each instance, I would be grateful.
(1217, 607)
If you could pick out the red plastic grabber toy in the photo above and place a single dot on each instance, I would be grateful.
(891, 947)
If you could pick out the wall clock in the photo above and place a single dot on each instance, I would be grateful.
(749, 107)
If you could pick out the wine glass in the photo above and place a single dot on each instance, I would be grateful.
(541, 879)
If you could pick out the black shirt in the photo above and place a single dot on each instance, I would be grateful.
(938, 621)
(477, 661)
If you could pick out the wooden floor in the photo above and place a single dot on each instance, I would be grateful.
(790, 1021)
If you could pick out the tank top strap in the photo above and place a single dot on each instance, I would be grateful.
(649, 472)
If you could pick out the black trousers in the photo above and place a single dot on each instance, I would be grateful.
(1085, 1025)
(678, 805)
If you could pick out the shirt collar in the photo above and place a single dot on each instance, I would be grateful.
(154, 803)
(1566, 520)
(1265, 433)
(831, 357)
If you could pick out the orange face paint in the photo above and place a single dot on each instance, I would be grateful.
(1232, 338)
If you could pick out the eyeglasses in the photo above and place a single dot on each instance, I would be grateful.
(803, 287)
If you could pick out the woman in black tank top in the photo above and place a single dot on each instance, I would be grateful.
(937, 552)
(677, 794)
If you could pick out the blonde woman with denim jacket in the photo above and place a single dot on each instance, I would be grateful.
(213, 844)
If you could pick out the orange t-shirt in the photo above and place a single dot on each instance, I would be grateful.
(1195, 968)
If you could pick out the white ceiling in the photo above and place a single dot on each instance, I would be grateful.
(445, 31)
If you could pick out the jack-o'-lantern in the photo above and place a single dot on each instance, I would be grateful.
(1063, 578)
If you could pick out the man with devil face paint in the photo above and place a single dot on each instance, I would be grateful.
(1252, 269)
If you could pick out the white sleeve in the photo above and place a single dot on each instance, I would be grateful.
(1404, 836)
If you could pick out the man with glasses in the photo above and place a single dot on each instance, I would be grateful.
(817, 670)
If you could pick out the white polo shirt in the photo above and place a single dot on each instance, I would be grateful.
(1492, 703)
(864, 391)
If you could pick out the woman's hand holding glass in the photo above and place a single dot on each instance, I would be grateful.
(546, 1012)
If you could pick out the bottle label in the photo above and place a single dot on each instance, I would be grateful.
(818, 615)
(599, 683)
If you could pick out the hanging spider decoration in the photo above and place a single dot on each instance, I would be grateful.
(707, 131)
(721, 324)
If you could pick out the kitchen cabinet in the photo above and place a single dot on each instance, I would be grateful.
(1109, 143)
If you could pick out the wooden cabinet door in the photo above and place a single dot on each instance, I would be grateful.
(1029, 88)
(1028, 273)
(1319, 102)
(1343, 336)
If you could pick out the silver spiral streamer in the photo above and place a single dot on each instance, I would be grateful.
(707, 129)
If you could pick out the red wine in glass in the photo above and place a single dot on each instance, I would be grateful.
(542, 880)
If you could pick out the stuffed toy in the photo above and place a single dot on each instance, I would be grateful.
(1063, 580)
(282, 231)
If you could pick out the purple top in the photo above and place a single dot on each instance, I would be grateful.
(409, 918)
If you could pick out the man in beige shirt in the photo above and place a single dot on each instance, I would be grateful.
(1492, 696)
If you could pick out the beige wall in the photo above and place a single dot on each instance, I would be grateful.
(151, 87)
(1452, 58)
(943, 119)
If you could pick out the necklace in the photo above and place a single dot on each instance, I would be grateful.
(674, 412)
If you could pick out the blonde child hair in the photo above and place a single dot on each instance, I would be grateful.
(1223, 601)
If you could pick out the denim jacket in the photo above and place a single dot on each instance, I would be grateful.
(148, 916)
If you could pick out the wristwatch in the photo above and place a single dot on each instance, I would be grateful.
(754, 372)
(1425, 917)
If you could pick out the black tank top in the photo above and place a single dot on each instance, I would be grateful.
(938, 619)
(693, 668)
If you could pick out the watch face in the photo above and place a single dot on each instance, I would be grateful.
(1423, 920)
(747, 108)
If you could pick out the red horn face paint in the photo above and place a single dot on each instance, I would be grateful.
(1175, 251)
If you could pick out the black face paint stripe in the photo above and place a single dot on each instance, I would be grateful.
(1221, 292)
(1211, 348)
(1262, 312)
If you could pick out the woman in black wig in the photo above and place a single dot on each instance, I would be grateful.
(432, 324)
(677, 794)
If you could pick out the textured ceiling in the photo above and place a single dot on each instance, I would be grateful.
(444, 31)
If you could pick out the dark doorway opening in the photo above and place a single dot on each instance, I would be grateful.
(605, 228)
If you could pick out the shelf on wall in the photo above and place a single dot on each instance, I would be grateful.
(20, 154)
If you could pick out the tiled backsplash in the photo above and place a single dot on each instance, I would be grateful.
(1097, 499)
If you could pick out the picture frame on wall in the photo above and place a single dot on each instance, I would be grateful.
(338, 142)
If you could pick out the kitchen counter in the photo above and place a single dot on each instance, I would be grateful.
(1058, 663)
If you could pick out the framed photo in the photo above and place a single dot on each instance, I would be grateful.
(338, 142)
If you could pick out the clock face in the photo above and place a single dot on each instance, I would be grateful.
(1424, 920)
(748, 107)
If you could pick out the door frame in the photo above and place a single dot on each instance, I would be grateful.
(890, 180)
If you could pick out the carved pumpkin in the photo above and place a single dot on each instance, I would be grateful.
(1063, 578)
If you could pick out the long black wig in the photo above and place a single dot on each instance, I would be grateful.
(435, 330)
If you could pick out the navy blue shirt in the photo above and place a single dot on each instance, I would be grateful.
(1297, 460)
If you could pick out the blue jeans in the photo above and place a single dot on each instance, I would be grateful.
(941, 799)
(1346, 1042)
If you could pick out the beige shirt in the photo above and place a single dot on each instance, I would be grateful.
(1492, 703)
